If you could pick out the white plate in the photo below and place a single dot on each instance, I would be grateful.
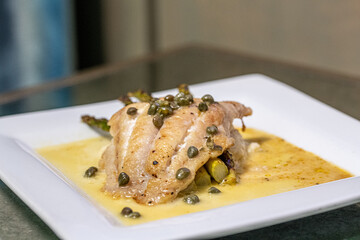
(278, 109)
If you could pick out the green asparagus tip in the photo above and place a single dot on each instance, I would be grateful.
(96, 122)
(125, 99)
(141, 95)
(184, 88)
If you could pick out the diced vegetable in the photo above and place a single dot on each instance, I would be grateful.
(202, 178)
(217, 169)
(189, 190)
(230, 179)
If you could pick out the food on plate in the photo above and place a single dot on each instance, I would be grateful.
(191, 151)
(158, 145)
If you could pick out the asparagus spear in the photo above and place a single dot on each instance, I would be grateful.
(202, 178)
(217, 169)
(100, 123)
(190, 189)
(184, 88)
(230, 179)
(141, 95)
(125, 99)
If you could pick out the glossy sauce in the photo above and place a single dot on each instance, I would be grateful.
(273, 166)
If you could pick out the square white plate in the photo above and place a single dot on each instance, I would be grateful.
(278, 109)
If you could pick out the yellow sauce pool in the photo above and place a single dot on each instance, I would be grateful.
(275, 166)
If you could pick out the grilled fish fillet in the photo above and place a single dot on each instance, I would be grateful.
(152, 156)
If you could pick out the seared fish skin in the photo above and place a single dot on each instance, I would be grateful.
(151, 156)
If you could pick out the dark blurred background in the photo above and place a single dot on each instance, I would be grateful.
(43, 40)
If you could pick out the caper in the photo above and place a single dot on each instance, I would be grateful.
(90, 172)
(192, 152)
(169, 98)
(178, 96)
(166, 111)
(189, 97)
(202, 107)
(158, 120)
(165, 104)
(134, 215)
(183, 102)
(174, 105)
(123, 179)
(131, 111)
(126, 211)
(152, 109)
(158, 103)
(214, 190)
(191, 199)
(208, 98)
(212, 130)
(182, 173)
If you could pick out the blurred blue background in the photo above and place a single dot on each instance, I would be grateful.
(36, 42)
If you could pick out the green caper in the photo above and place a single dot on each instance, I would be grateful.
(158, 120)
(208, 98)
(162, 103)
(182, 173)
(178, 96)
(174, 105)
(212, 130)
(169, 98)
(134, 215)
(152, 109)
(183, 102)
(192, 152)
(166, 111)
(214, 190)
(203, 107)
(189, 97)
(126, 211)
(123, 179)
(191, 199)
(165, 103)
(131, 111)
(90, 172)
